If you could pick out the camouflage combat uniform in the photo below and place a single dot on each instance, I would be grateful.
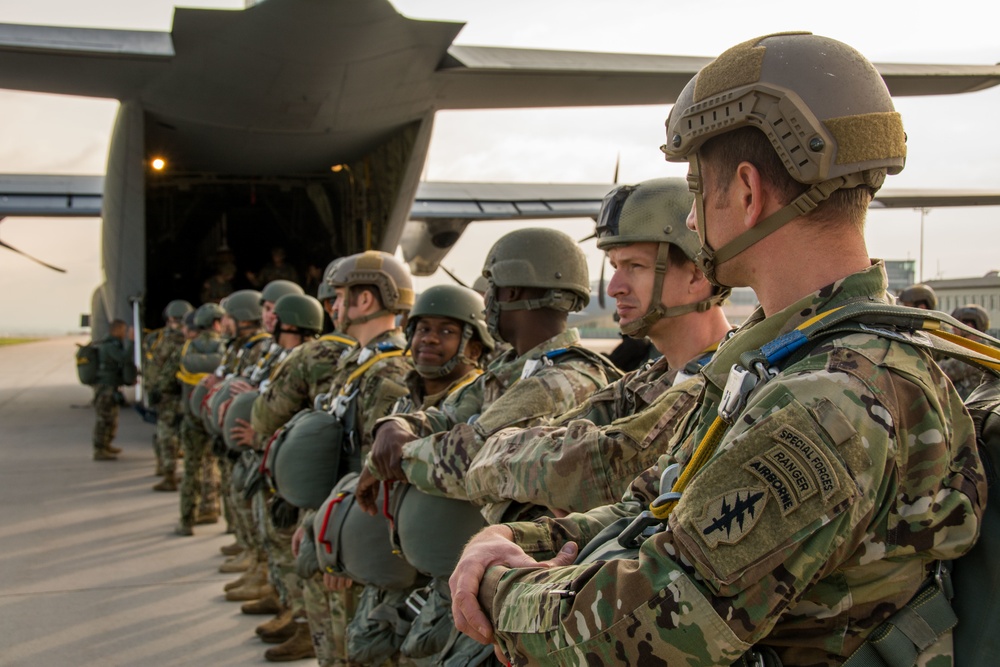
(165, 364)
(114, 356)
(548, 380)
(822, 511)
(587, 457)
(378, 389)
(292, 385)
(198, 358)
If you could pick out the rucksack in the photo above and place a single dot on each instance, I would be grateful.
(88, 361)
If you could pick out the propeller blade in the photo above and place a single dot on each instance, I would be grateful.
(454, 277)
(33, 259)
(618, 163)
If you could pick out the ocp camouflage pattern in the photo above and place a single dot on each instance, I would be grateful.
(822, 512)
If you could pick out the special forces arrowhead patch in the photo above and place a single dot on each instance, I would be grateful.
(728, 518)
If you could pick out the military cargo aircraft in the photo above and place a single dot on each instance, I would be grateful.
(306, 123)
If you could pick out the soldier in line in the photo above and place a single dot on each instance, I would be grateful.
(816, 496)
(537, 277)
(587, 457)
(164, 392)
(919, 296)
(966, 377)
(372, 288)
(277, 269)
(115, 368)
(199, 359)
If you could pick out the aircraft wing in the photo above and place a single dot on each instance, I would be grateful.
(478, 77)
(81, 61)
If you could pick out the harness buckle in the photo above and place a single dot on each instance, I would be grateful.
(640, 527)
(734, 396)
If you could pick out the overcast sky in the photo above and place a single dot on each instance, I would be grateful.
(953, 141)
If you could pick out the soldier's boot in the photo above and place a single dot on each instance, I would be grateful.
(159, 470)
(104, 455)
(234, 549)
(168, 483)
(251, 591)
(114, 450)
(278, 629)
(265, 605)
(206, 518)
(240, 563)
(183, 528)
(298, 647)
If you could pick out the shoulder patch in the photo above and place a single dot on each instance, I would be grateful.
(728, 518)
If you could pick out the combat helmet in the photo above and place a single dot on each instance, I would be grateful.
(918, 294)
(244, 305)
(177, 308)
(823, 106)
(654, 211)
(974, 315)
(536, 257)
(326, 290)
(276, 289)
(299, 310)
(208, 313)
(380, 270)
(458, 303)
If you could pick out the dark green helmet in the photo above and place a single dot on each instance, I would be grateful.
(244, 305)
(974, 315)
(177, 308)
(457, 303)
(919, 295)
(300, 310)
(208, 313)
(326, 290)
(653, 211)
(276, 289)
(544, 258)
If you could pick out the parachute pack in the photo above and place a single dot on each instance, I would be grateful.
(88, 361)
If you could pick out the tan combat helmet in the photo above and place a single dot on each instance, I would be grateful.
(823, 106)
(919, 296)
(973, 315)
(653, 211)
(380, 270)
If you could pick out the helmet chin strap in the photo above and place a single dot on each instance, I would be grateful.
(657, 310)
(709, 259)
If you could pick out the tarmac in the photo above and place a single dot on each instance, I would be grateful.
(91, 572)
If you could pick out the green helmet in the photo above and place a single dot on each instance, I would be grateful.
(973, 315)
(208, 313)
(244, 305)
(458, 303)
(177, 308)
(653, 211)
(823, 105)
(356, 544)
(918, 294)
(276, 289)
(383, 271)
(326, 290)
(300, 310)
(536, 257)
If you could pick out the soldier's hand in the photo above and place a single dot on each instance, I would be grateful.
(335, 583)
(297, 537)
(243, 433)
(366, 493)
(491, 546)
(387, 450)
(237, 387)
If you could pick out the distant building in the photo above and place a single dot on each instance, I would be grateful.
(984, 291)
(900, 273)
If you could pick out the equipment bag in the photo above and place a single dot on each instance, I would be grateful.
(88, 361)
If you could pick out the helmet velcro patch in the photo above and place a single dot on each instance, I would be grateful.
(870, 136)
